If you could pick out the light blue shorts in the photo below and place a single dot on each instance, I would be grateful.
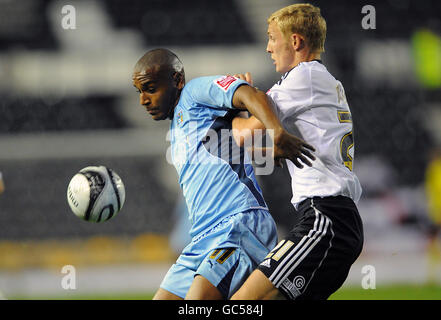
(225, 255)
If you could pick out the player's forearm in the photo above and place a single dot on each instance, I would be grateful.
(245, 128)
(240, 130)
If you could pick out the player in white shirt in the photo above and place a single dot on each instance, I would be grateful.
(311, 103)
(314, 259)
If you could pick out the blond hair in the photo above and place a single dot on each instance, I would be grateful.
(304, 19)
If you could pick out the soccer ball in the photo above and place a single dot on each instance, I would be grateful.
(96, 194)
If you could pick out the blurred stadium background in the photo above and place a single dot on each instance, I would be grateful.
(67, 102)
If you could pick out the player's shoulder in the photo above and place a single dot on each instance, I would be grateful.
(206, 79)
(199, 83)
(196, 82)
(300, 74)
(309, 69)
(222, 82)
(310, 73)
(195, 87)
(305, 81)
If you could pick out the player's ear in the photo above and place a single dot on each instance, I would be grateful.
(297, 41)
(178, 80)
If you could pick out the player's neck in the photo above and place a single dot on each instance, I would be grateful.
(172, 109)
(306, 57)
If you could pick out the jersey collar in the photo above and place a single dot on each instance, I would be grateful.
(287, 72)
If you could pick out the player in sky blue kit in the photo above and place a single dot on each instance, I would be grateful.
(231, 228)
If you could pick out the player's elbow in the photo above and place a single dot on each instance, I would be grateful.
(245, 96)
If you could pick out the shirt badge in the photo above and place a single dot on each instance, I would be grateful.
(180, 117)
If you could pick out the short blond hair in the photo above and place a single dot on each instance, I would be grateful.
(304, 19)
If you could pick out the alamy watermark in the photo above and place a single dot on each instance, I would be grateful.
(69, 17)
(370, 18)
(69, 281)
(193, 146)
(369, 279)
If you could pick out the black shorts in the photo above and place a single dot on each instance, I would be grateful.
(313, 261)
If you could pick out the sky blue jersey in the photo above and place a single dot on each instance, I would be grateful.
(216, 176)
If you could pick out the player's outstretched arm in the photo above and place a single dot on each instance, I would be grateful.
(286, 146)
(245, 127)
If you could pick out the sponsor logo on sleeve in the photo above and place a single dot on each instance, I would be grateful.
(225, 82)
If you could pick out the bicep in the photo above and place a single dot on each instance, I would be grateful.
(216, 92)
(245, 95)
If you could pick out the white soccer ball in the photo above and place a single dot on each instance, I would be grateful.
(96, 194)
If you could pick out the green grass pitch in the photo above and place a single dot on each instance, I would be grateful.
(390, 292)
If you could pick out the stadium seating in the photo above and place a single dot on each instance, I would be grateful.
(171, 22)
(24, 25)
(32, 114)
